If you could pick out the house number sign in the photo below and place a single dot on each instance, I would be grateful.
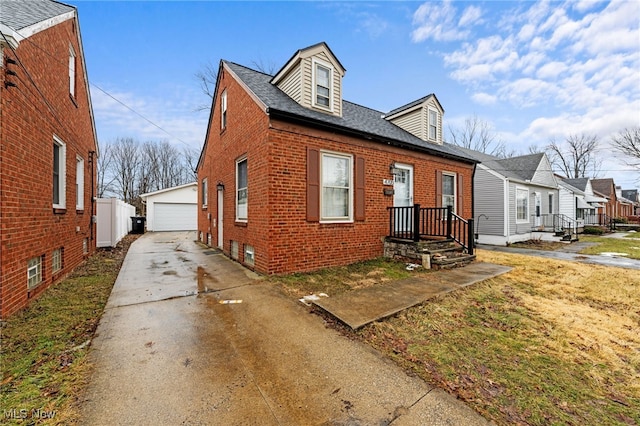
(387, 181)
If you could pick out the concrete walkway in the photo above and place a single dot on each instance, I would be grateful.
(570, 253)
(360, 307)
(189, 337)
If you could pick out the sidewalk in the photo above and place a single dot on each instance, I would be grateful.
(569, 254)
(360, 307)
(237, 352)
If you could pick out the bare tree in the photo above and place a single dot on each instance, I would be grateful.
(191, 157)
(125, 168)
(576, 157)
(265, 67)
(136, 168)
(105, 178)
(477, 134)
(627, 143)
(535, 149)
(207, 78)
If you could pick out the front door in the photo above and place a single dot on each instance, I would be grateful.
(538, 206)
(220, 219)
(403, 195)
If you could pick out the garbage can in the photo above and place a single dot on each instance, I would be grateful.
(137, 224)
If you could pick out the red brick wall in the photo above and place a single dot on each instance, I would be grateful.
(29, 227)
(277, 228)
(294, 244)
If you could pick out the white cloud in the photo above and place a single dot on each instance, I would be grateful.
(436, 21)
(484, 98)
(551, 70)
(164, 119)
(471, 15)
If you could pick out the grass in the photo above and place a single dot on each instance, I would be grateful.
(630, 245)
(551, 342)
(334, 281)
(44, 347)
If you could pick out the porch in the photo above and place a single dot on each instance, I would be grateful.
(567, 228)
(430, 236)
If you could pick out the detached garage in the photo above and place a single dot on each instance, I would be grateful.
(172, 209)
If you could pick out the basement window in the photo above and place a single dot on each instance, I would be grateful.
(249, 255)
(34, 271)
(56, 260)
(234, 250)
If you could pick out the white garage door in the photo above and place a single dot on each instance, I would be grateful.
(175, 217)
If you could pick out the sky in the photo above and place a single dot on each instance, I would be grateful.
(532, 70)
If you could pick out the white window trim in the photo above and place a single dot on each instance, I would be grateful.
(437, 113)
(72, 71)
(349, 218)
(62, 175)
(205, 192)
(79, 183)
(455, 190)
(223, 110)
(526, 213)
(314, 100)
(238, 218)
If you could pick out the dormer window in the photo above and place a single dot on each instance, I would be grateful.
(433, 125)
(322, 85)
(313, 79)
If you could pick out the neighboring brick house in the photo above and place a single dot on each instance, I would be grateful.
(607, 188)
(48, 148)
(633, 196)
(293, 178)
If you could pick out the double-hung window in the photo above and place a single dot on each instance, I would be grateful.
(205, 192)
(322, 85)
(433, 125)
(522, 205)
(242, 190)
(223, 110)
(72, 71)
(449, 191)
(337, 188)
(59, 161)
(79, 183)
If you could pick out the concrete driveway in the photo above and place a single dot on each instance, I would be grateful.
(189, 337)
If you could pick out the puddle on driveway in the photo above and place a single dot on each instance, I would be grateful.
(205, 281)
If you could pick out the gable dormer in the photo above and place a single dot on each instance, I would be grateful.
(313, 78)
(422, 118)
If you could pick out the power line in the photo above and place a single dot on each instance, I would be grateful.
(55, 58)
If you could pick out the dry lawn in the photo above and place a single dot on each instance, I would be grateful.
(551, 342)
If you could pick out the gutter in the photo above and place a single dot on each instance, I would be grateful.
(287, 116)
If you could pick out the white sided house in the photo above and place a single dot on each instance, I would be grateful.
(172, 209)
(515, 199)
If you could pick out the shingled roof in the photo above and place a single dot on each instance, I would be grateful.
(20, 14)
(356, 119)
(521, 168)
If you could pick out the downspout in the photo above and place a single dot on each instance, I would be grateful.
(507, 212)
(473, 191)
(93, 201)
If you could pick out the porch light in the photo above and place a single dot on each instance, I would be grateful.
(220, 186)
(393, 169)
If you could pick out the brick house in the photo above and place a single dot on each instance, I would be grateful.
(294, 178)
(48, 148)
